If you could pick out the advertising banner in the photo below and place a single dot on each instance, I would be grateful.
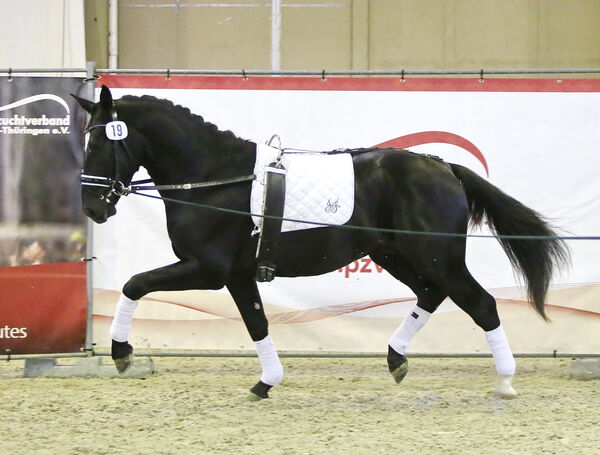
(42, 228)
(535, 139)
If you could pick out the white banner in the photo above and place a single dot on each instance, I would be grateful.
(539, 147)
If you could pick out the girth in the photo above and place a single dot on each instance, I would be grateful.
(273, 204)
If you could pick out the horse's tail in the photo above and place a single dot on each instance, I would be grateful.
(534, 259)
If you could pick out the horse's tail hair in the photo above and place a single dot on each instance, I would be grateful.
(534, 259)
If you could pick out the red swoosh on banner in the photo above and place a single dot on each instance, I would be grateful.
(316, 314)
(436, 137)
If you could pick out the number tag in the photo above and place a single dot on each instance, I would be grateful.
(116, 131)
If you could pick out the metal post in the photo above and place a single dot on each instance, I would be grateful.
(331, 73)
(275, 35)
(113, 34)
(89, 250)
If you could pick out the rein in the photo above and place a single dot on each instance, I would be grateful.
(138, 185)
(116, 187)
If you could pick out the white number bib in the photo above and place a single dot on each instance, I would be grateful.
(116, 131)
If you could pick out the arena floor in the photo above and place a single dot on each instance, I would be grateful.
(323, 406)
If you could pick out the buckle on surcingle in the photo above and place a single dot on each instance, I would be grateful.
(265, 272)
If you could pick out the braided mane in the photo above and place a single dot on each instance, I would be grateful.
(226, 138)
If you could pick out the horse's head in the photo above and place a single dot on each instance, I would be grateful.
(109, 163)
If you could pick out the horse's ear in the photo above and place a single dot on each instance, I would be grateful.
(87, 105)
(106, 100)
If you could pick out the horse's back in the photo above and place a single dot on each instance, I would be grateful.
(414, 192)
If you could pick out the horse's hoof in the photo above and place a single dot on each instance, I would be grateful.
(124, 364)
(504, 388)
(252, 397)
(122, 355)
(397, 364)
(259, 391)
(399, 373)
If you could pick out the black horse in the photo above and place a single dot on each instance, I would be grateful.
(394, 190)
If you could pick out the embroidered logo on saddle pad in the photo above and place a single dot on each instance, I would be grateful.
(319, 187)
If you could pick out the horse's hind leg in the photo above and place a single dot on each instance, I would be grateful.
(245, 293)
(481, 306)
(429, 297)
(458, 283)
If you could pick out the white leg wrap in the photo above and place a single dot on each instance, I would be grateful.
(503, 357)
(414, 321)
(272, 370)
(121, 325)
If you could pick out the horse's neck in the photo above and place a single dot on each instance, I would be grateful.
(175, 158)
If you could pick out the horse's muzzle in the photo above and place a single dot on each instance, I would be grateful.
(95, 216)
(97, 210)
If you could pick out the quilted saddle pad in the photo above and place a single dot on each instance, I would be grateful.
(319, 187)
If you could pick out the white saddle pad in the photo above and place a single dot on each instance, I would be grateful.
(319, 187)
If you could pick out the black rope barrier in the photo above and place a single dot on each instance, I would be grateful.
(372, 229)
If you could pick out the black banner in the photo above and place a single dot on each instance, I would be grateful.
(41, 157)
(43, 303)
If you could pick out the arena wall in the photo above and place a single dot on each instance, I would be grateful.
(350, 34)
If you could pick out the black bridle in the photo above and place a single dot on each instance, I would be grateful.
(112, 184)
(116, 187)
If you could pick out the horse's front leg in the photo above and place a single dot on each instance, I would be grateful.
(175, 277)
(245, 293)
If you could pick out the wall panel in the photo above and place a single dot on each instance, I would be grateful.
(569, 33)
(316, 35)
(223, 35)
(408, 34)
